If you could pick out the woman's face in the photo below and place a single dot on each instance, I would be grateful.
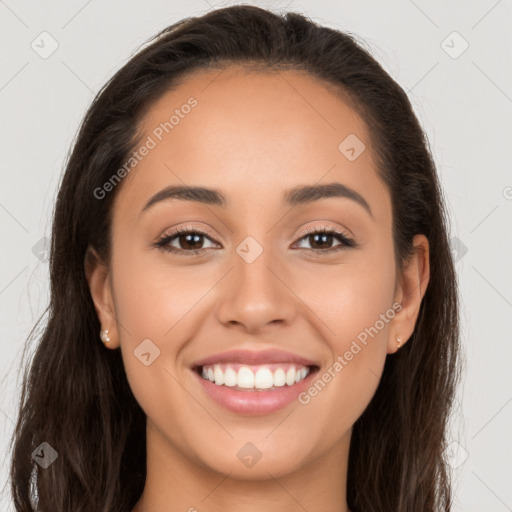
(266, 299)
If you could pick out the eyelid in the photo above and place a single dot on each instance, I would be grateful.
(325, 227)
(188, 227)
(163, 241)
(312, 229)
(346, 240)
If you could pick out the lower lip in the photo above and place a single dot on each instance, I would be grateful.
(254, 402)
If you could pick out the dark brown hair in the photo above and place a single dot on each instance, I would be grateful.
(75, 394)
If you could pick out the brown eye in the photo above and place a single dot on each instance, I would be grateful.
(190, 241)
(321, 241)
(183, 241)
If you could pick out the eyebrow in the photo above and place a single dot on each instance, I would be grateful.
(294, 197)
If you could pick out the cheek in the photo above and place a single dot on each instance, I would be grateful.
(155, 311)
(353, 303)
(350, 298)
(169, 304)
(151, 295)
(157, 299)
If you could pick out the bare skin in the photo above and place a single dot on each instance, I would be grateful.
(253, 136)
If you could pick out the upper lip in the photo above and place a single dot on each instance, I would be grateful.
(254, 357)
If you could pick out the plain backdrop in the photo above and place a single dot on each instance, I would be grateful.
(453, 59)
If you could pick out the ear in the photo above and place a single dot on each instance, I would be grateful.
(101, 292)
(413, 283)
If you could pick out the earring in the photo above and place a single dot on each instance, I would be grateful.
(104, 336)
(398, 341)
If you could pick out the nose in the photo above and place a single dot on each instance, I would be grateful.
(255, 295)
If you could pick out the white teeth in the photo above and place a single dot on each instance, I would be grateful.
(230, 377)
(263, 379)
(279, 378)
(245, 378)
(290, 376)
(219, 376)
(254, 377)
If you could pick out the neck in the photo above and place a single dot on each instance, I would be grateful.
(175, 481)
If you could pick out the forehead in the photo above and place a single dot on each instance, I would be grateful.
(234, 105)
(251, 134)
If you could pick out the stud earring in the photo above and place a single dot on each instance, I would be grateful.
(398, 341)
(104, 336)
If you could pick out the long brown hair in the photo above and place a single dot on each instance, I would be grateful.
(75, 394)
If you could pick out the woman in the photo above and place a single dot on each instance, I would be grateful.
(253, 301)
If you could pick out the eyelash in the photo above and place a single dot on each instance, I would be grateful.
(163, 242)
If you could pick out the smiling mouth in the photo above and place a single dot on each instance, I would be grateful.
(247, 378)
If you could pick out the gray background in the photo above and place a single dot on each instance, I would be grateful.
(463, 100)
